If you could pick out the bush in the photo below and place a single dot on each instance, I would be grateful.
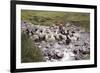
(29, 52)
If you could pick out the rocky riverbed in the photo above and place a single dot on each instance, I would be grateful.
(72, 43)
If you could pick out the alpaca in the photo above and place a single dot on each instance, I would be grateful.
(36, 38)
(68, 40)
(74, 36)
(50, 37)
(68, 56)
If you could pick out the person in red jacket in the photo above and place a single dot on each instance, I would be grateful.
(61, 28)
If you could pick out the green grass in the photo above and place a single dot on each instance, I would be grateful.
(50, 17)
(29, 52)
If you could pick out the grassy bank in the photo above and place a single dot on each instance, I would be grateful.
(50, 18)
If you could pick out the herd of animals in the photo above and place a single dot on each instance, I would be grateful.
(59, 43)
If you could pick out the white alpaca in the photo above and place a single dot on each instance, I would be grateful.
(40, 33)
(56, 34)
(68, 56)
(63, 37)
(50, 37)
(75, 37)
(35, 37)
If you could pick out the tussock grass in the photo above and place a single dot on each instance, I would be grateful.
(29, 52)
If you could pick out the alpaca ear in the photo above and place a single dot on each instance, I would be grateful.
(69, 36)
